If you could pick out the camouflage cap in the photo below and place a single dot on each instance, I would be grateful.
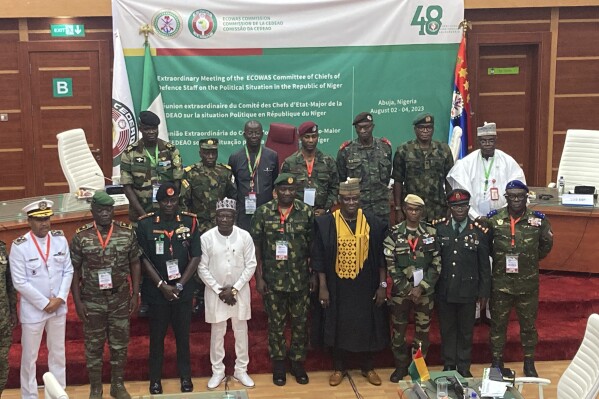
(209, 144)
(363, 117)
(39, 209)
(307, 127)
(167, 190)
(458, 197)
(487, 129)
(413, 199)
(423, 118)
(285, 178)
(350, 186)
(149, 118)
(102, 198)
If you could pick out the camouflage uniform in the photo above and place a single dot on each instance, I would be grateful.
(8, 311)
(138, 171)
(533, 241)
(201, 187)
(107, 309)
(373, 165)
(288, 281)
(401, 265)
(424, 173)
(325, 178)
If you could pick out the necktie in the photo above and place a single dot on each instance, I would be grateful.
(457, 229)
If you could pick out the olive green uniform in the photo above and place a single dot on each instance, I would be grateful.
(8, 311)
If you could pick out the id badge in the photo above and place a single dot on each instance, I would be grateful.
(511, 264)
(105, 279)
(281, 250)
(494, 194)
(250, 203)
(309, 196)
(155, 188)
(172, 269)
(159, 247)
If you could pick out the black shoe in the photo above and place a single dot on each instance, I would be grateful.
(448, 368)
(155, 387)
(143, 310)
(186, 385)
(279, 374)
(398, 374)
(298, 371)
(465, 373)
(497, 362)
(529, 367)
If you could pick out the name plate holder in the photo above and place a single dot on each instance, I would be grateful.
(578, 199)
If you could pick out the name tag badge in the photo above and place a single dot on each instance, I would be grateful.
(418, 276)
(281, 250)
(172, 269)
(309, 196)
(159, 247)
(494, 194)
(250, 203)
(105, 279)
(511, 264)
(428, 240)
(165, 164)
(155, 188)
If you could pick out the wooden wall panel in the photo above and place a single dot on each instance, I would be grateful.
(506, 14)
(576, 113)
(578, 39)
(504, 110)
(483, 27)
(577, 76)
(578, 12)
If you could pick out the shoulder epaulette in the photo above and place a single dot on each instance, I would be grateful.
(169, 145)
(193, 215)
(492, 213)
(185, 183)
(123, 224)
(385, 140)
(225, 165)
(147, 215)
(435, 222)
(129, 148)
(57, 233)
(188, 168)
(344, 145)
(538, 214)
(19, 240)
(481, 227)
(84, 227)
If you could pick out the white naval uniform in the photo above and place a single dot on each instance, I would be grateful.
(36, 282)
(227, 260)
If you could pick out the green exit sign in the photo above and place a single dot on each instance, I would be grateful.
(67, 30)
(503, 71)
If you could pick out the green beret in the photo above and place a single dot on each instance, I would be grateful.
(423, 118)
(285, 178)
(101, 198)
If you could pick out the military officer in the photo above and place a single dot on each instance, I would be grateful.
(105, 254)
(147, 164)
(41, 269)
(315, 172)
(8, 314)
(170, 241)
(420, 167)
(282, 233)
(465, 278)
(413, 261)
(520, 238)
(369, 159)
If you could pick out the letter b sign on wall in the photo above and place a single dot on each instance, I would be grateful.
(62, 87)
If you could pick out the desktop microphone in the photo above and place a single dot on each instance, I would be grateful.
(104, 177)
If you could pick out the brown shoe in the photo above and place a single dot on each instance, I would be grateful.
(336, 378)
(372, 377)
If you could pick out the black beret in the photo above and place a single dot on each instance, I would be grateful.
(167, 190)
(149, 118)
(363, 117)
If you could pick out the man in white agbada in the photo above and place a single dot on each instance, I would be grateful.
(484, 173)
(228, 263)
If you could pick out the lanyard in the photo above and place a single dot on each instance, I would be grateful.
(169, 234)
(285, 215)
(513, 228)
(488, 172)
(413, 244)
(103, 243)
(310, 167)
(39, 250)
(253, 168)
(153, 161)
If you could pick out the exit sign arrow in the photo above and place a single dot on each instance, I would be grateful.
(67, 30)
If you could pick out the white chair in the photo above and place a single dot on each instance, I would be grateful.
(581, 378)
(77, 161)
(541, 382)
(52, 389)
(579, 164)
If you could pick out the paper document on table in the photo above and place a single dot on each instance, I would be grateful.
(494, 389)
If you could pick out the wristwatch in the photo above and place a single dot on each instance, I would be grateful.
(383, 284)
(234, 291)
(179, 287)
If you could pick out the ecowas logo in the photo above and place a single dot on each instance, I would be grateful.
(202, 24)
(124, 128)
(167, 24)
(429, 20)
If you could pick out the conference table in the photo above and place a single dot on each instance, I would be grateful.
(70, 213)
(405, 390)
(575, 233)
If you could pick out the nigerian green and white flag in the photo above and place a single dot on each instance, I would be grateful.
(151, 99)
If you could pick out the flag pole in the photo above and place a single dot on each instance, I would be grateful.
(146, 29)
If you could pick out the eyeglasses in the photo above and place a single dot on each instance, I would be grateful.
(425, 128)
(460, 207)
(520, 197)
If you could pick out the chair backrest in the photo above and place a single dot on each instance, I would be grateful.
(52, 389)
(283, 139)
(77, 161)
(581, 378)
(579, 164)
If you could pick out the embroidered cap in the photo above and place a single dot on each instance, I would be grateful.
(350, 186)
(226, 203)
(458, 197)
(39, 209)
(487, 129)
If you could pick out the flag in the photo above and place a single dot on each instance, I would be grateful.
(151, 99)
(460, 132)
(124, 122)
(418, 370)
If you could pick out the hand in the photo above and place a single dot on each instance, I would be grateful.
(133, 304)
(226, 295)
(313, 282)
(319, 212)
(81, 311)
(323, 297)
(261, 286)
(169, 292)
(399, 216)
(380, 297)
(14, 320)
(53, 305)
(415, 294)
